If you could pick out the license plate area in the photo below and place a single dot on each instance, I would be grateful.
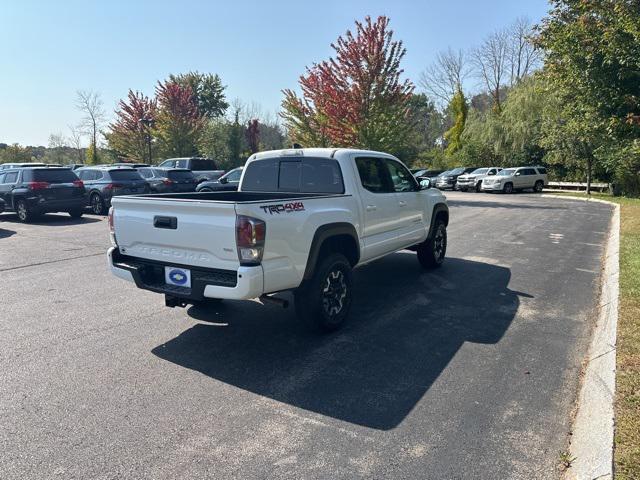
(178, 277)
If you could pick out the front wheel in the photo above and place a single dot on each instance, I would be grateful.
(431, 252)
(25, 214)
(323, 302)
(478, 187)
(97, 204)
(508, 188)
(205, 190)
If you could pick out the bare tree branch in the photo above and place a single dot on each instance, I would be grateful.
(75, 139)
(92, 108)
(491, 64)
(523, 57)
(444, 76)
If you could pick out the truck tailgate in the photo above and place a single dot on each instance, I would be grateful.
(183, 232)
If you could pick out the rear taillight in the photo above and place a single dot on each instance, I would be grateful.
(111, 186)
(250, 234)
(167, 181)
(78, 183)
(37, 185)
(112, 230)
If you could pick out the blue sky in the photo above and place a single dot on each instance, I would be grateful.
(48, 50)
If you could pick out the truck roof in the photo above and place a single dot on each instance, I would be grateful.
(314, 152)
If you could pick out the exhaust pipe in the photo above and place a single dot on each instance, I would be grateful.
(275, 300)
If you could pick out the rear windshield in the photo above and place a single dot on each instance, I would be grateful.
(293, 174)
(62, 175)
(180, 175)
(124, 175)
(203, 164)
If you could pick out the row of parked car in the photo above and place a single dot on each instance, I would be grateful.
(33, 189)
(486, 179)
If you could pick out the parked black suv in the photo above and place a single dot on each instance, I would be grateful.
(32, 191)
(103, 183)
(169, 180)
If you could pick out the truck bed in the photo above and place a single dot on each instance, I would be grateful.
(234, 197)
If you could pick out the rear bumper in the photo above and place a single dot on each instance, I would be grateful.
(63, 205)
(243, 284)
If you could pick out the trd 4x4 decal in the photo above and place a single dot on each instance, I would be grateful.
(283, 208)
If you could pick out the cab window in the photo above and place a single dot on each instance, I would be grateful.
(401, 178)
(374, 175)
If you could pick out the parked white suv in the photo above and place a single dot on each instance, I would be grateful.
(473, 180)
(515, 179)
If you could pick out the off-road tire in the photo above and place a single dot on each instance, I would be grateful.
(323, 301)
(431, 252)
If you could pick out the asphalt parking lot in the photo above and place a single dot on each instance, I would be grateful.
(470, 371)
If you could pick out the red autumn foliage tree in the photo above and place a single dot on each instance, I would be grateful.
(179, 123)
(356, 99)
(253, 135)
(130, 132)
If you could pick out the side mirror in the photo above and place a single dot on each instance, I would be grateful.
(491, 173)
(517, 174)
(425, 184)
(223, 180)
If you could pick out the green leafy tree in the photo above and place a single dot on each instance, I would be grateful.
(15, 154)
(179, 124)
(91, 157)
(592, 63)
(208, 91)
(459, 110)
(356, 99)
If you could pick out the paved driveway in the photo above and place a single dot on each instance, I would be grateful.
(467, 372)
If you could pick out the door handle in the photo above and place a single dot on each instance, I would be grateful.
(402, 203)
(371, 208)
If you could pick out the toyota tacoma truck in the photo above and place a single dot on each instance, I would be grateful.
(301, 220)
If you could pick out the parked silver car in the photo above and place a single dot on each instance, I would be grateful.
(515, 179)
(473, 180)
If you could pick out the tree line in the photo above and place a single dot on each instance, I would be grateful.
(564, 93)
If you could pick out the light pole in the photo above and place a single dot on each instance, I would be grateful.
(148, 123)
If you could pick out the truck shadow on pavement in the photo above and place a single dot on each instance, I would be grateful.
(405, 327)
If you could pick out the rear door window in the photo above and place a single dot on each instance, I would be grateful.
(528, 171)
(374, 175)
(201, 164)
(62, 175)
(11, 177)
(542, 171)
(124, 175)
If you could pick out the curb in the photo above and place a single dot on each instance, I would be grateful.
(593, 427)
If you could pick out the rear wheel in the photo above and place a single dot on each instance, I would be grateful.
(463, 189)
(538, 186)
(205, 190)
(25, 214)
(432, 251)
(508, 188)
(323, 302)
(97, 204)
(77, 213)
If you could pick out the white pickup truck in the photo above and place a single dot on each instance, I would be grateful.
(301, 220)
